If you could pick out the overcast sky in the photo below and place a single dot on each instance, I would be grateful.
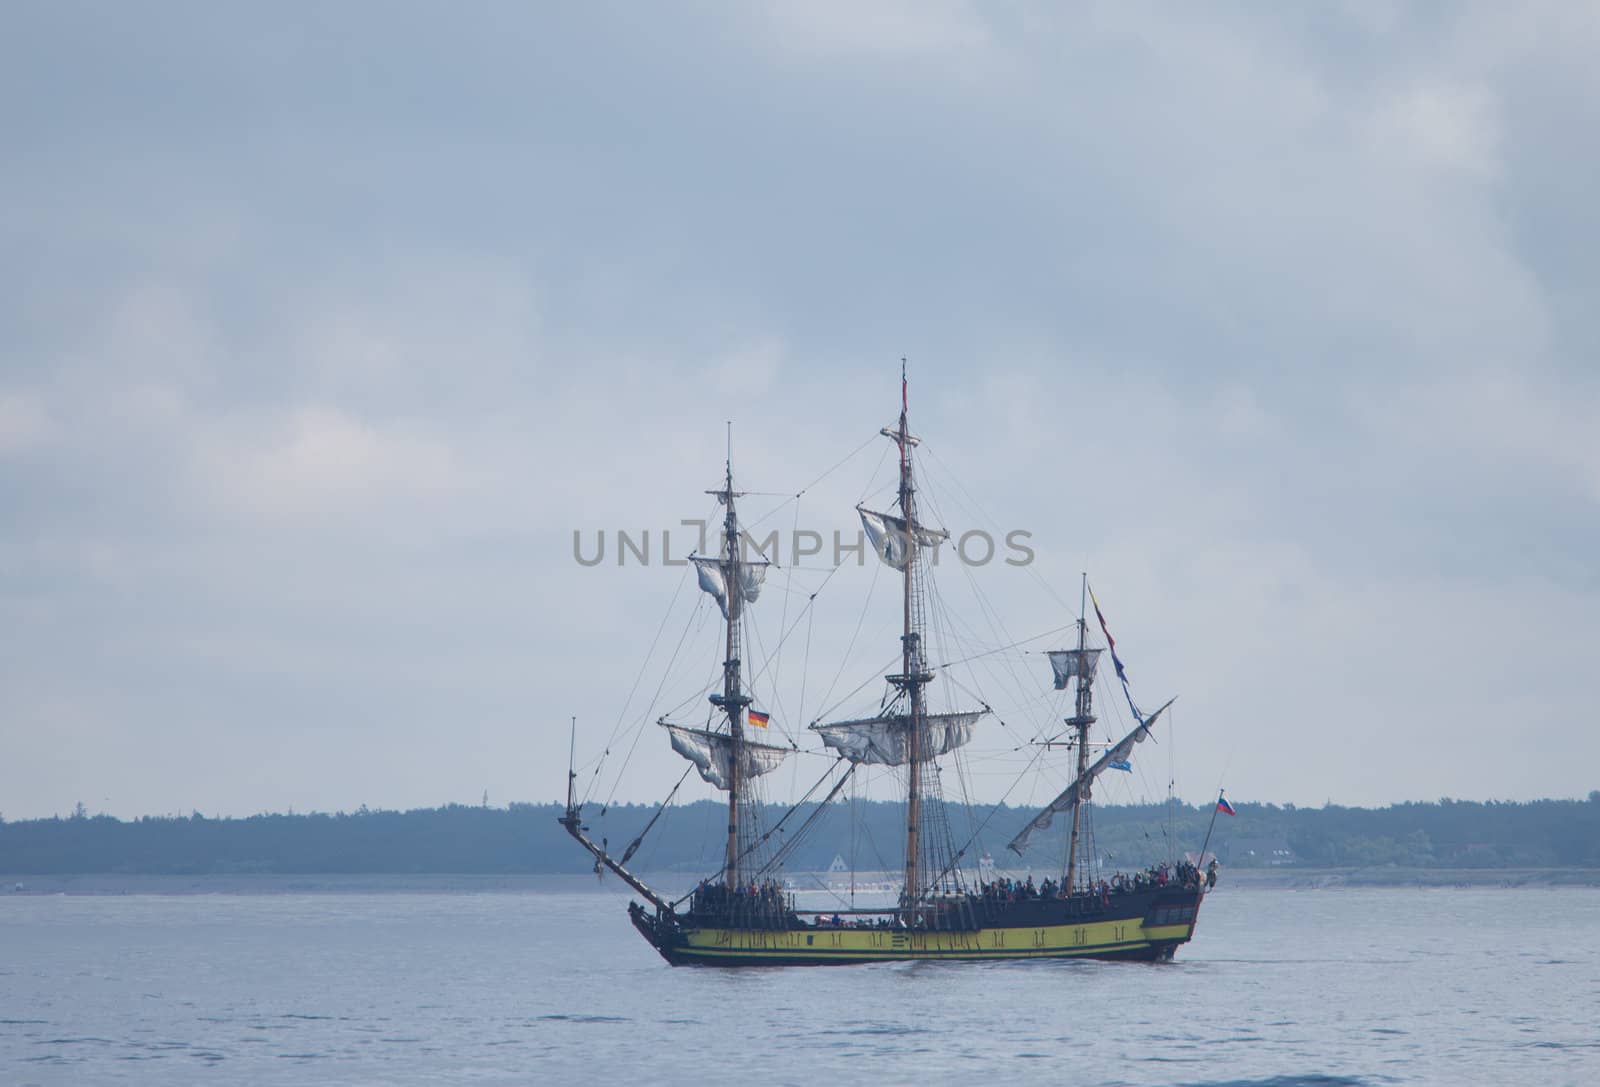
(322, 330)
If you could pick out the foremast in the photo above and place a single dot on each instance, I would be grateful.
(730, 760)
(732, 701)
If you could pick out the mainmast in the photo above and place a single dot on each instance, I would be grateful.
(1080, 720)
(732, 700)
(905, 733)
(913, 673)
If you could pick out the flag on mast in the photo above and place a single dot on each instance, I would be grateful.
(1116, 661)
(758, 718)
(1224, 806)
(1110, 641)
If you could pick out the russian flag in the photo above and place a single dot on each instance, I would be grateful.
(1224, 806)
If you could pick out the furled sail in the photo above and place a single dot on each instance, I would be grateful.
(882, 740)
(1071, 663)
(751, 576)
(890, 539)
(711, 754)
(1069, 796)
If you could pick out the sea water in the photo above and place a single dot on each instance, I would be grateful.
(1280, 987)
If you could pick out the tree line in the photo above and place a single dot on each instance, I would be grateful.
(861, 835)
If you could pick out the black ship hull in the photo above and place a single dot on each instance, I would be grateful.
(1145, 926)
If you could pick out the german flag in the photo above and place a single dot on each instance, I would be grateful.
(758, 718)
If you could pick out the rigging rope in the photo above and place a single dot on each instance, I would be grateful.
(996, 625)
(795, 497)
(638, 839)
(798, 836)
(753, 846)
(860, 621)
(638, 677)
(994, 524)
(639, 729)
(809, 603)
(992, 812)
(876, 675)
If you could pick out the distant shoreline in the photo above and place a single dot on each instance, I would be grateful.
(1286, 878)
(1424, 844)
(1296, 878)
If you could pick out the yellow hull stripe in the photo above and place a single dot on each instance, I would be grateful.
(1054, 941)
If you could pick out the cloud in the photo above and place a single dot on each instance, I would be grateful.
(1280, 326)
(1453, 129)
(24, 423)
(889, 29)
(1504, 422)
(320, 458)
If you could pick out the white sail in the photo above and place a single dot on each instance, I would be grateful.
(890, 540)
(1071, 663)
(882, 740)
(711, 582)
(751, 577)
(891, 549)
(711, 754)
(1070, 795)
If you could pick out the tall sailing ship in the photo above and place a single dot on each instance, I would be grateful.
(742, 916)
